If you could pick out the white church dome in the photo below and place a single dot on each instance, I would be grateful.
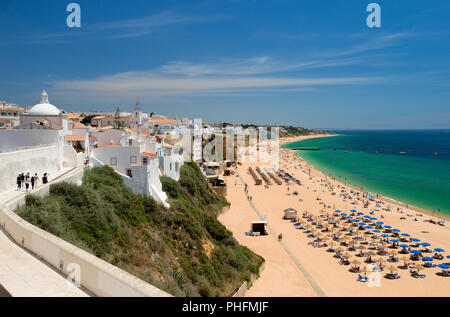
(44, 108)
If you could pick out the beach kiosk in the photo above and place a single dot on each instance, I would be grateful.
(290, 214)
(258, 228)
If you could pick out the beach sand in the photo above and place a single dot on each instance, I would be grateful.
(294, 268)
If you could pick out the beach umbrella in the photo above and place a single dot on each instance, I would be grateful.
(444, 266)
(439, 250)
(388, 227)
(337, 211)
(355, 220)
(416, 251)
(427, 258)
(448, 256)
(393, 253)
(343, 214)
(353, 210)
(393, 240)
(391, 268)
(415, 240)
(355, 262)
(361, 247)
(376, 231)
(349, 217)
(395, 230)
(370, 253)
(379, 222)
(346, 255)
(360, 213)
(367, 217)
(369, 227)
(404, 246)
(425, 244)
(405, 234)
(373, 218)
(385, 235)
(419, 267)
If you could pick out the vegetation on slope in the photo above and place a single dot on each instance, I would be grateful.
(183, 250)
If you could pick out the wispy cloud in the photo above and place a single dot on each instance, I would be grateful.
(121, 29)
(230, 76)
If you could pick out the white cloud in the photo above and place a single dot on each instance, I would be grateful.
(229, 76)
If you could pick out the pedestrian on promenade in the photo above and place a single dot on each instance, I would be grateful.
(32, 182)
(22, 178)
(36, 180)
(19, 182)
(27, 182)
(44, 179)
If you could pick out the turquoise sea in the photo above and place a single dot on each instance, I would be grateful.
(405, 168)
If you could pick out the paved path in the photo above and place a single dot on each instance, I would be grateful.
(24, 275)
(297, 263)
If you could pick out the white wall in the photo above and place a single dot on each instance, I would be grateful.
(37, 160)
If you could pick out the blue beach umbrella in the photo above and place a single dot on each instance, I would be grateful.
(444, 266)
(416, 251)
(367, 217)
(385, 235)
(388, 227)
(448, 256)
(379, 222)
(353, 210)
(415, 240)
(369, 227)
(360, 213)
(427, 258)
(349, 217)
(395, 230)
(393, 240)
(337, 211)
(405, 234)
(425, 244)
(404, 246)
(373, 218)
(439, 250)
(355, 220)
(376, 231)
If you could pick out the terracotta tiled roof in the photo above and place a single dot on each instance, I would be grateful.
(75, 137)
(148, 154)
(78, 125)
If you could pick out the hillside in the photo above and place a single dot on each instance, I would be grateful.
(183, 250)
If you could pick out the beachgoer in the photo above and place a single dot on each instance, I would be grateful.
(32, 182)
(44, 179)
(36, 180)
(280, 236)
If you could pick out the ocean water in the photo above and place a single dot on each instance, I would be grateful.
(417, 176)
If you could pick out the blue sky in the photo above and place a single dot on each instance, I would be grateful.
(305, 63)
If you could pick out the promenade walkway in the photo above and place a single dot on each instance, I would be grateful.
(24, 275)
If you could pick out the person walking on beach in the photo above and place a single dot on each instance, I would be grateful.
(19, 182)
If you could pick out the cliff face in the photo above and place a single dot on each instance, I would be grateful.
(183, 249)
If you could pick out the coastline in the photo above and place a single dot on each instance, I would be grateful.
(396, 203)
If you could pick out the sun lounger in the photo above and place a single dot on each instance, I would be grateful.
(362, 278)
(392, 276)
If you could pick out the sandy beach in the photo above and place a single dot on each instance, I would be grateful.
(294, 267)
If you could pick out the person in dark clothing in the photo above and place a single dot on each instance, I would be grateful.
(44, 179)
(19, 182)
(22, 178)
(32, 182)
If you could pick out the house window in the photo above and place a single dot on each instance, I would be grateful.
(145, 160)
(113, 161)
(129, 172)
(133, 159)
(130, 142)
(170, 166)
